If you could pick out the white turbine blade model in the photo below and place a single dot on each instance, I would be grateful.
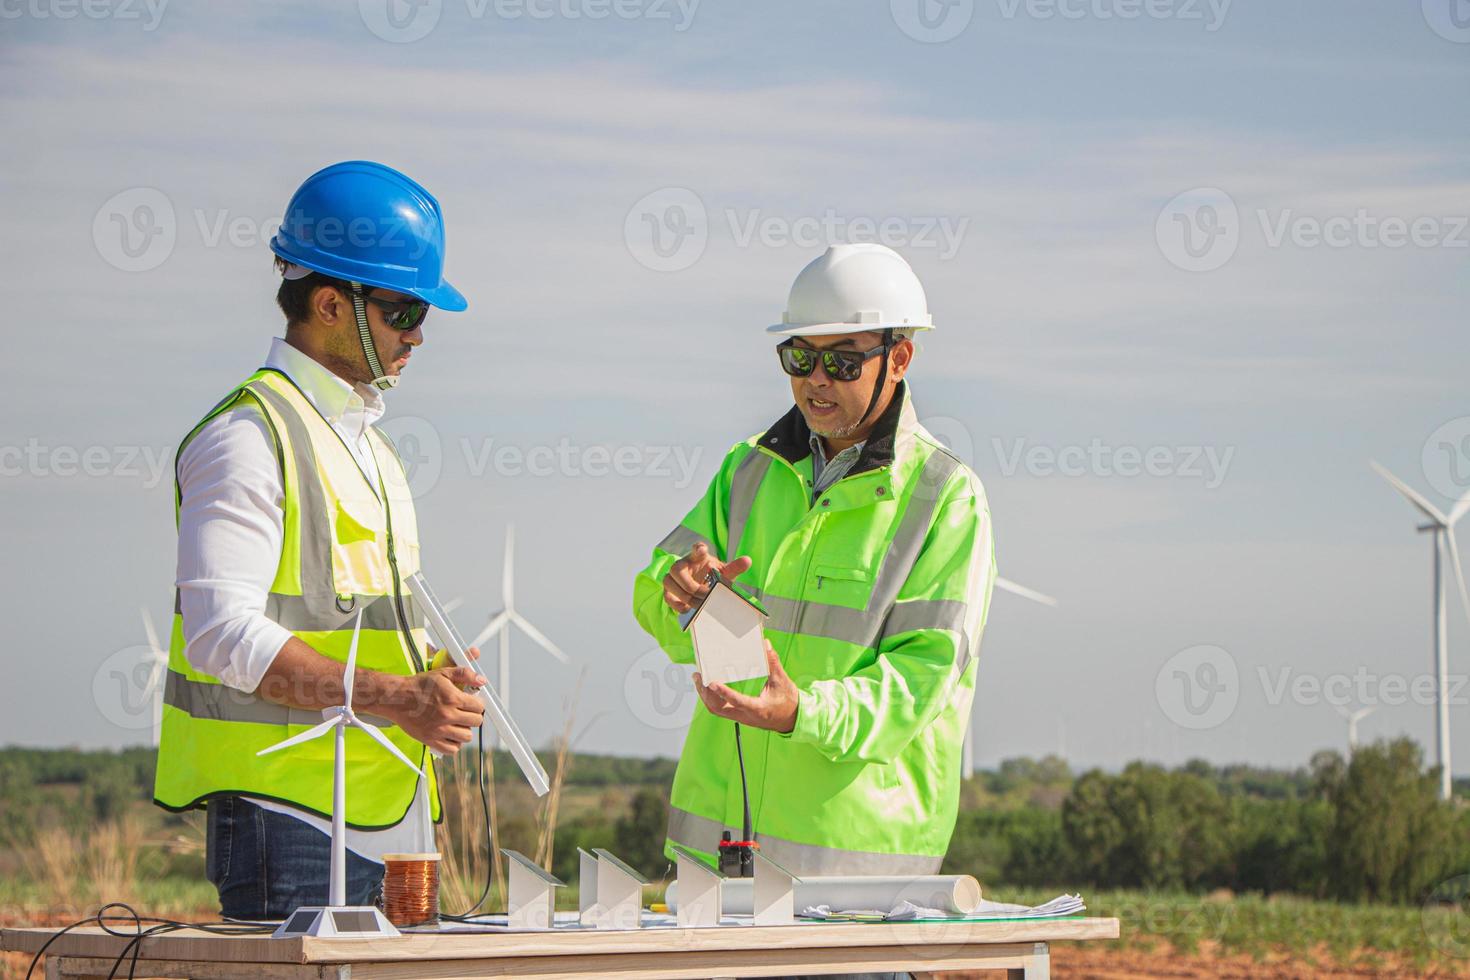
(307, 735)
(376, 734)
(1411, 495)
(967, 750)
(1006, 585)
(150, 632)
(538, 636)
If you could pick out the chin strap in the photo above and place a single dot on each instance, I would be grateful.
(882, 377)
(382, 381)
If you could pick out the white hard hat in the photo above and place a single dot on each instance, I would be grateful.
(853, 288)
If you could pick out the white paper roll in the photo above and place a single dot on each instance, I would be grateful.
(957, 894)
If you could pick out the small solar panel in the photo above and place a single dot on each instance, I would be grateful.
(300, 921)
(355, 920)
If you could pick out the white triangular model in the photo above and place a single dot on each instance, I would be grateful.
(729, 642)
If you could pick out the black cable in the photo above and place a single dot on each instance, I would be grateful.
(135, 944)
(489, 842)
(744, 790)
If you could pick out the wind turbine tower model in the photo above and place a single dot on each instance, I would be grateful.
(337, 918)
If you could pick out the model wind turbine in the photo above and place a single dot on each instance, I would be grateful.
(157, 672)
(1353, 717)
(967, 754)
(501, 622)
(337, 918)
(1442, 526)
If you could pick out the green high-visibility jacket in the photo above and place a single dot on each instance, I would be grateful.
(345, 547)
(877, 592)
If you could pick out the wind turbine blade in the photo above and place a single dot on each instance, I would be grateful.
(453, 604)
(305, 736)
(1458, 511)
(496, 624)
(507, 577)
(351, 668)
(376, 734)
(1007, 585)
(1411, 495)
(1459, 572)
(149, 631)
(1362, 713)
(538, 636)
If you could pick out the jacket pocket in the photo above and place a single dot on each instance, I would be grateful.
(840, 585)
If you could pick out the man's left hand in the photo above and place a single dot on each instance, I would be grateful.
(774, 709)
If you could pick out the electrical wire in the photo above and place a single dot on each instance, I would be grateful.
(489, 842)
(135, 939)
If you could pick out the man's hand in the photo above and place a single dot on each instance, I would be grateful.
(686, 582)
(432, 708)
(774, 709)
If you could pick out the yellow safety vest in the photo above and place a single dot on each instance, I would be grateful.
(344, 549)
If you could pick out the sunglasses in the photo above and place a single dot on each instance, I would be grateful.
(401, 315)
(840, 365)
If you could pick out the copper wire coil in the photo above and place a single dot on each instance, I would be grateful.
(411, 888)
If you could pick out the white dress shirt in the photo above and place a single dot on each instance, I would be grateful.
(230, 528)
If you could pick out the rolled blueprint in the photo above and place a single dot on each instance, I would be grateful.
(955, 894)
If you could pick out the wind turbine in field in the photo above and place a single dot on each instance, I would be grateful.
(157, 672)
(1353, 717)
(502, 621)
(1442, 526)
(967, 755)
(338, 918)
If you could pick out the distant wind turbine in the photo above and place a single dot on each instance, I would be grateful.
(967, 754)
(1442, 526)
(157, 672)
(502, 621)
(1353, 717)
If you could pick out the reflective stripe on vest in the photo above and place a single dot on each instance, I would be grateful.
(345, 548)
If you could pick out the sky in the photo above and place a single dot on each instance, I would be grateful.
(1192, 264)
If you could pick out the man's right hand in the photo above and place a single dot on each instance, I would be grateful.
(687, 582)
(432, 708)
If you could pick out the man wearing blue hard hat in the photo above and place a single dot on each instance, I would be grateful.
(296, 525)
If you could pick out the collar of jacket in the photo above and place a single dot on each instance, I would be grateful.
(892, 437)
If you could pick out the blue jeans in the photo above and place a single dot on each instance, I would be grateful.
(265, 865)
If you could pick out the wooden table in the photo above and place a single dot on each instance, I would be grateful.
(1019, 947)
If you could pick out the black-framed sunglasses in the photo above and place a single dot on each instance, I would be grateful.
(840, 365)
(401, 315)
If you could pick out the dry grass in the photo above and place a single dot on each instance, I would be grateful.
(100, 866)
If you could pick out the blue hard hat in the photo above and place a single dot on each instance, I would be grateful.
(367, 223)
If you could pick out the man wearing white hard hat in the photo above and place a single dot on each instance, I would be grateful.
(869, 546)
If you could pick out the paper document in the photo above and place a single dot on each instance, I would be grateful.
(908, 911)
